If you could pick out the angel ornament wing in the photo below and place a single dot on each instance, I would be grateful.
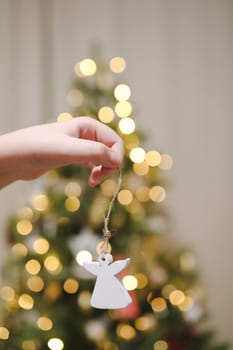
(109, 292)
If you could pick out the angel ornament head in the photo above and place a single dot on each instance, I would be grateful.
(109, 292)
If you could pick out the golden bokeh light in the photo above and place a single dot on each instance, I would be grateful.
(166, 162)
(125, 331)
(19, 249)
(7, 293)
(25, 213)
(62, 117)
(187, 261)
(45, 323)
(106, 114)
(142, 280)
(75, 98)
(73, 189)
(26, 302)
(161, 345)
(142, 194)
(29, 345)
(157, 194)
(55, 344)
(41, 246)
(84, 299)
(145, 323)
(123, 109)
(153, 158)
(136, 209)
(130, 282)
(132, 141)
(83, 255)
(125, 197)
(117, 64)
(176, 297)
(33, 266)
(187, 304)
(158, 304)
(122, 92)
(127, 125)
(167, 289)
(137, 155)
(87, 67)
(35, 284)
(40, 202)
(110, 346)
(4, 333)
(72, 204)
(141, 169)
(71, 286)
(24, 227)
(53, 264)
(108, 187)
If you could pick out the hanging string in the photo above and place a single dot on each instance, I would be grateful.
(106, 231)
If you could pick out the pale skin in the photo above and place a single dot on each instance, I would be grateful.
(28, 153)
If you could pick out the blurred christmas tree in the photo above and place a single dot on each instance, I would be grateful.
(45, 297)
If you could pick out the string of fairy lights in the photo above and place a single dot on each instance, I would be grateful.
(132, 201)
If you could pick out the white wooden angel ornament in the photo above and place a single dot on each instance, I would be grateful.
(109, 292)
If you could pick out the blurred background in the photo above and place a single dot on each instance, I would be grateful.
(179, 57)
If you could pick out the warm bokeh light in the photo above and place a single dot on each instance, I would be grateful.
(7, 293)
(132, 141)
(19, 249)
(75, 98)
(130, 282)
(125, 197)
(25, 213)
(84, 299)
(158, 304)
(33, 266)
(55, 344)
(161, 345)
(145, 323)
(142, 280)
(87, 67)
(73, 189)
(83, 255)
(141, 169)
(62, 117)
(108, 187)
(123, 109)
(41, 246)
(187, 261)
(72, 204)
(187, 304)
(122, 92)
(29, 345)
(125, 331)
(53, 264)
(157, 194)
(45, 323)
(71, 286)
(40, 202)
(4, 333)
(167, 289)
(176, 297)
(35, 284)
(24, 227)
(106, 114)
(117, 64)
(137, 155)
(166, 162)
(127, 125)
(142, 193)
(26, 302)
(153, 158)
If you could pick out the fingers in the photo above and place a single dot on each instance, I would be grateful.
(98, 174)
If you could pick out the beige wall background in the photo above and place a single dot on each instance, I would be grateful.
(180, 69)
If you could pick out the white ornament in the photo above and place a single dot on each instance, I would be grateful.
(109, 292)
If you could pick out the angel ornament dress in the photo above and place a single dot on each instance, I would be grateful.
(109, 292)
